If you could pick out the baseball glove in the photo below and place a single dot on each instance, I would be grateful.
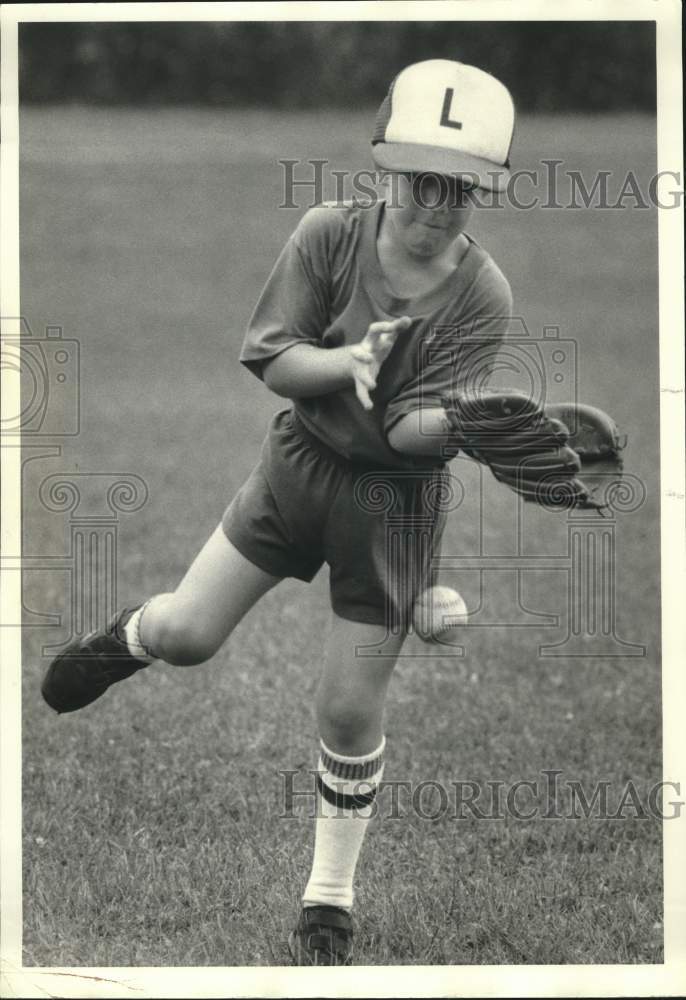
(550, 456)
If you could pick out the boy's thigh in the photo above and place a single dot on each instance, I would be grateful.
(359, 658)
(220, 586)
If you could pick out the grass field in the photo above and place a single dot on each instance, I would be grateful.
(151, 820)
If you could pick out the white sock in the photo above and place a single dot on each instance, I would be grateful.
(346, 790)
(133, 639)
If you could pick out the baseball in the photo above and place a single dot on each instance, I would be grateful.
(437, 612)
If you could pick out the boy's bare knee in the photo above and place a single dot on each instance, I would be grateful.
(344, 723)
(186, 646)
(183, 640)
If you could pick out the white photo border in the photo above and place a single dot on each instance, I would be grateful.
(668, 979)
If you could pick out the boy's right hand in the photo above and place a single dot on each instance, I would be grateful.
(368, 356)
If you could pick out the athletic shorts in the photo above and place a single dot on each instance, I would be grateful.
(379, 529)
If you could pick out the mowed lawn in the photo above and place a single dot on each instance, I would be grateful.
(153, 821)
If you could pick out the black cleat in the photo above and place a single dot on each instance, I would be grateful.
(324, 936)
(87, 667)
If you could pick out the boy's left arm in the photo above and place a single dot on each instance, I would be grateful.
(425, 431)
(556, 456)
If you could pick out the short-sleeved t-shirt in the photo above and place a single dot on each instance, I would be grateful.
(328, 285)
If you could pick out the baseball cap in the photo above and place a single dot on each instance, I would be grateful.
(445, 117)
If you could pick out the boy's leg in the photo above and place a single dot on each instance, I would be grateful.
(183, 628)
(189, 625)
(352, 689)
(350, 705)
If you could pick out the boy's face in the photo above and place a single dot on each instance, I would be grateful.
(427, 212)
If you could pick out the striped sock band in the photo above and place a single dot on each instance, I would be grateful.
(347, 787)
(133, 638)
(349, 782)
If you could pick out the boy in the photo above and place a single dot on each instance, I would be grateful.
(341, 329)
